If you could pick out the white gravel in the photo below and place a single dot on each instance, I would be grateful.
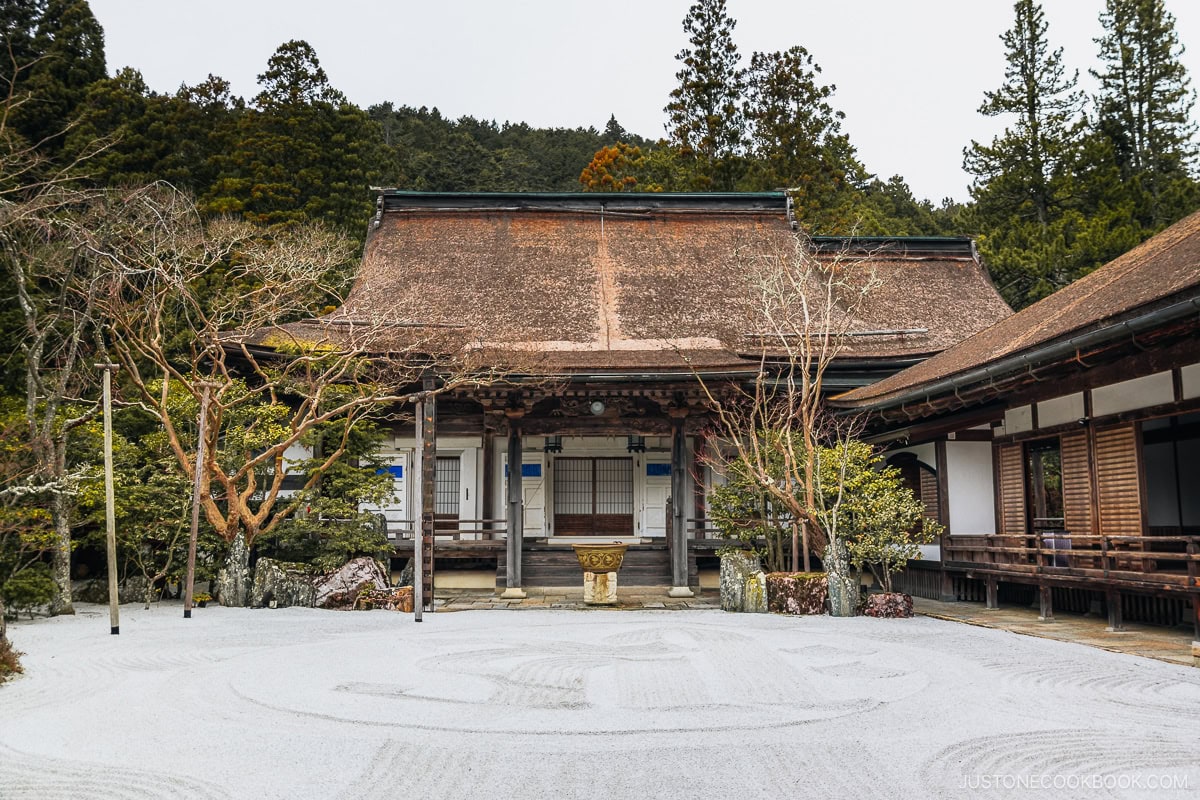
(562, 704)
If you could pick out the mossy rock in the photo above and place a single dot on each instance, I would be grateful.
(800, 593)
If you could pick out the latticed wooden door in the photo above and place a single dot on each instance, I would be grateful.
(593, 496)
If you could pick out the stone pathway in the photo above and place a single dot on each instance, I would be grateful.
(635, 598)
(1173, 645)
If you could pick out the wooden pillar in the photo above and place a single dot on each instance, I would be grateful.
(993, 591)
(947, 593)
(516, 513)
(679, 507)
(487, 505)
(428, 423)
(1112, 599)
(1045, 603)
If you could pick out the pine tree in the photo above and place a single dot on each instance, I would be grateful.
(1019, 173)
(1145, 104)
(302, 153)
(67, 56)
(795, 135)
(704, 114)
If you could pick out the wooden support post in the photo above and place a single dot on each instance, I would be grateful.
(942, 460)
(197, 483)
(1112, 599)
(993, 588)
(487, 503)
(947, 593)
(679, 505)
(428, 477)
(516, 514)
(1045, 603)
(110, 524)
(418, 514)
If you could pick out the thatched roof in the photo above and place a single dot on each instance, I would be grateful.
(637, 282)
(1156, 273)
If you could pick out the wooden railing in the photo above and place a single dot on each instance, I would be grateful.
(453, 529)
(1173, 559)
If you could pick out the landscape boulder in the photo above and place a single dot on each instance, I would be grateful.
(341, 588)
(743, 585)
(889, 605)
(797, 592)
(395, 598)
(130, 590)
(281, 584)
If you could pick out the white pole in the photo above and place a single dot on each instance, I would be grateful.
(199, 472)
(110, 523)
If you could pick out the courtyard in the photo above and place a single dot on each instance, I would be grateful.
(240, 703)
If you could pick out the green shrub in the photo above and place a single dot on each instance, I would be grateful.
(29, 589)
(10, 661)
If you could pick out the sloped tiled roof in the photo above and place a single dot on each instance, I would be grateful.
(1150, 274)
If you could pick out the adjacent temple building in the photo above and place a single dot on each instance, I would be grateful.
(1058, 446)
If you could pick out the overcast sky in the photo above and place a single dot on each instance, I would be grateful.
(910, 74)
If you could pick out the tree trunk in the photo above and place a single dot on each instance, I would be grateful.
(843, 583)
(3, 621)
(234, 581)
(62, 553)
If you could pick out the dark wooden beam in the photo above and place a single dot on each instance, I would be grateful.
(516, 513)
(1112, 599)
(1045, 603)
(428, 494)
(679, 506)
(943, 481)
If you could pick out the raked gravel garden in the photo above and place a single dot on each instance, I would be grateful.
(298, 703)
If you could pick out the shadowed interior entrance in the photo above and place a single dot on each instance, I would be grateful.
(593, 496)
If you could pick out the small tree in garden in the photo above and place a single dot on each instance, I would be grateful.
(192, 305)
(799, 312)
(868, 506)
(330, 529)
(742, 510)
(152, 502)
(27, 535)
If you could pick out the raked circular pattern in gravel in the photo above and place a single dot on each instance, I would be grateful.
(302, 703)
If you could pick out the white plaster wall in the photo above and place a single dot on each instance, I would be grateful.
(1060, 410)
(926, 453)
(1151, 390)
(1191, 381)
(1018, 420)
(970, 488)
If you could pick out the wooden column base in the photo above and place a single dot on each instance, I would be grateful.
(1112, 599)
(993, 590)
(1046, 604)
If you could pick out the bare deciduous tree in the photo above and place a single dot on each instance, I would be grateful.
(800, 314)
(194, 303)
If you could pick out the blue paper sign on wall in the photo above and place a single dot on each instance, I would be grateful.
(658, 470)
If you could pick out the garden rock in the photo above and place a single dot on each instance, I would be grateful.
(743, 585)
(341, 588)
(131, 590)
(282, 583)
(797, 592)
(398, 598)
(890, 605)
(406, 574)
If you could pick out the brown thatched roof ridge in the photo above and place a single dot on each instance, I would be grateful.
(1150, 275)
